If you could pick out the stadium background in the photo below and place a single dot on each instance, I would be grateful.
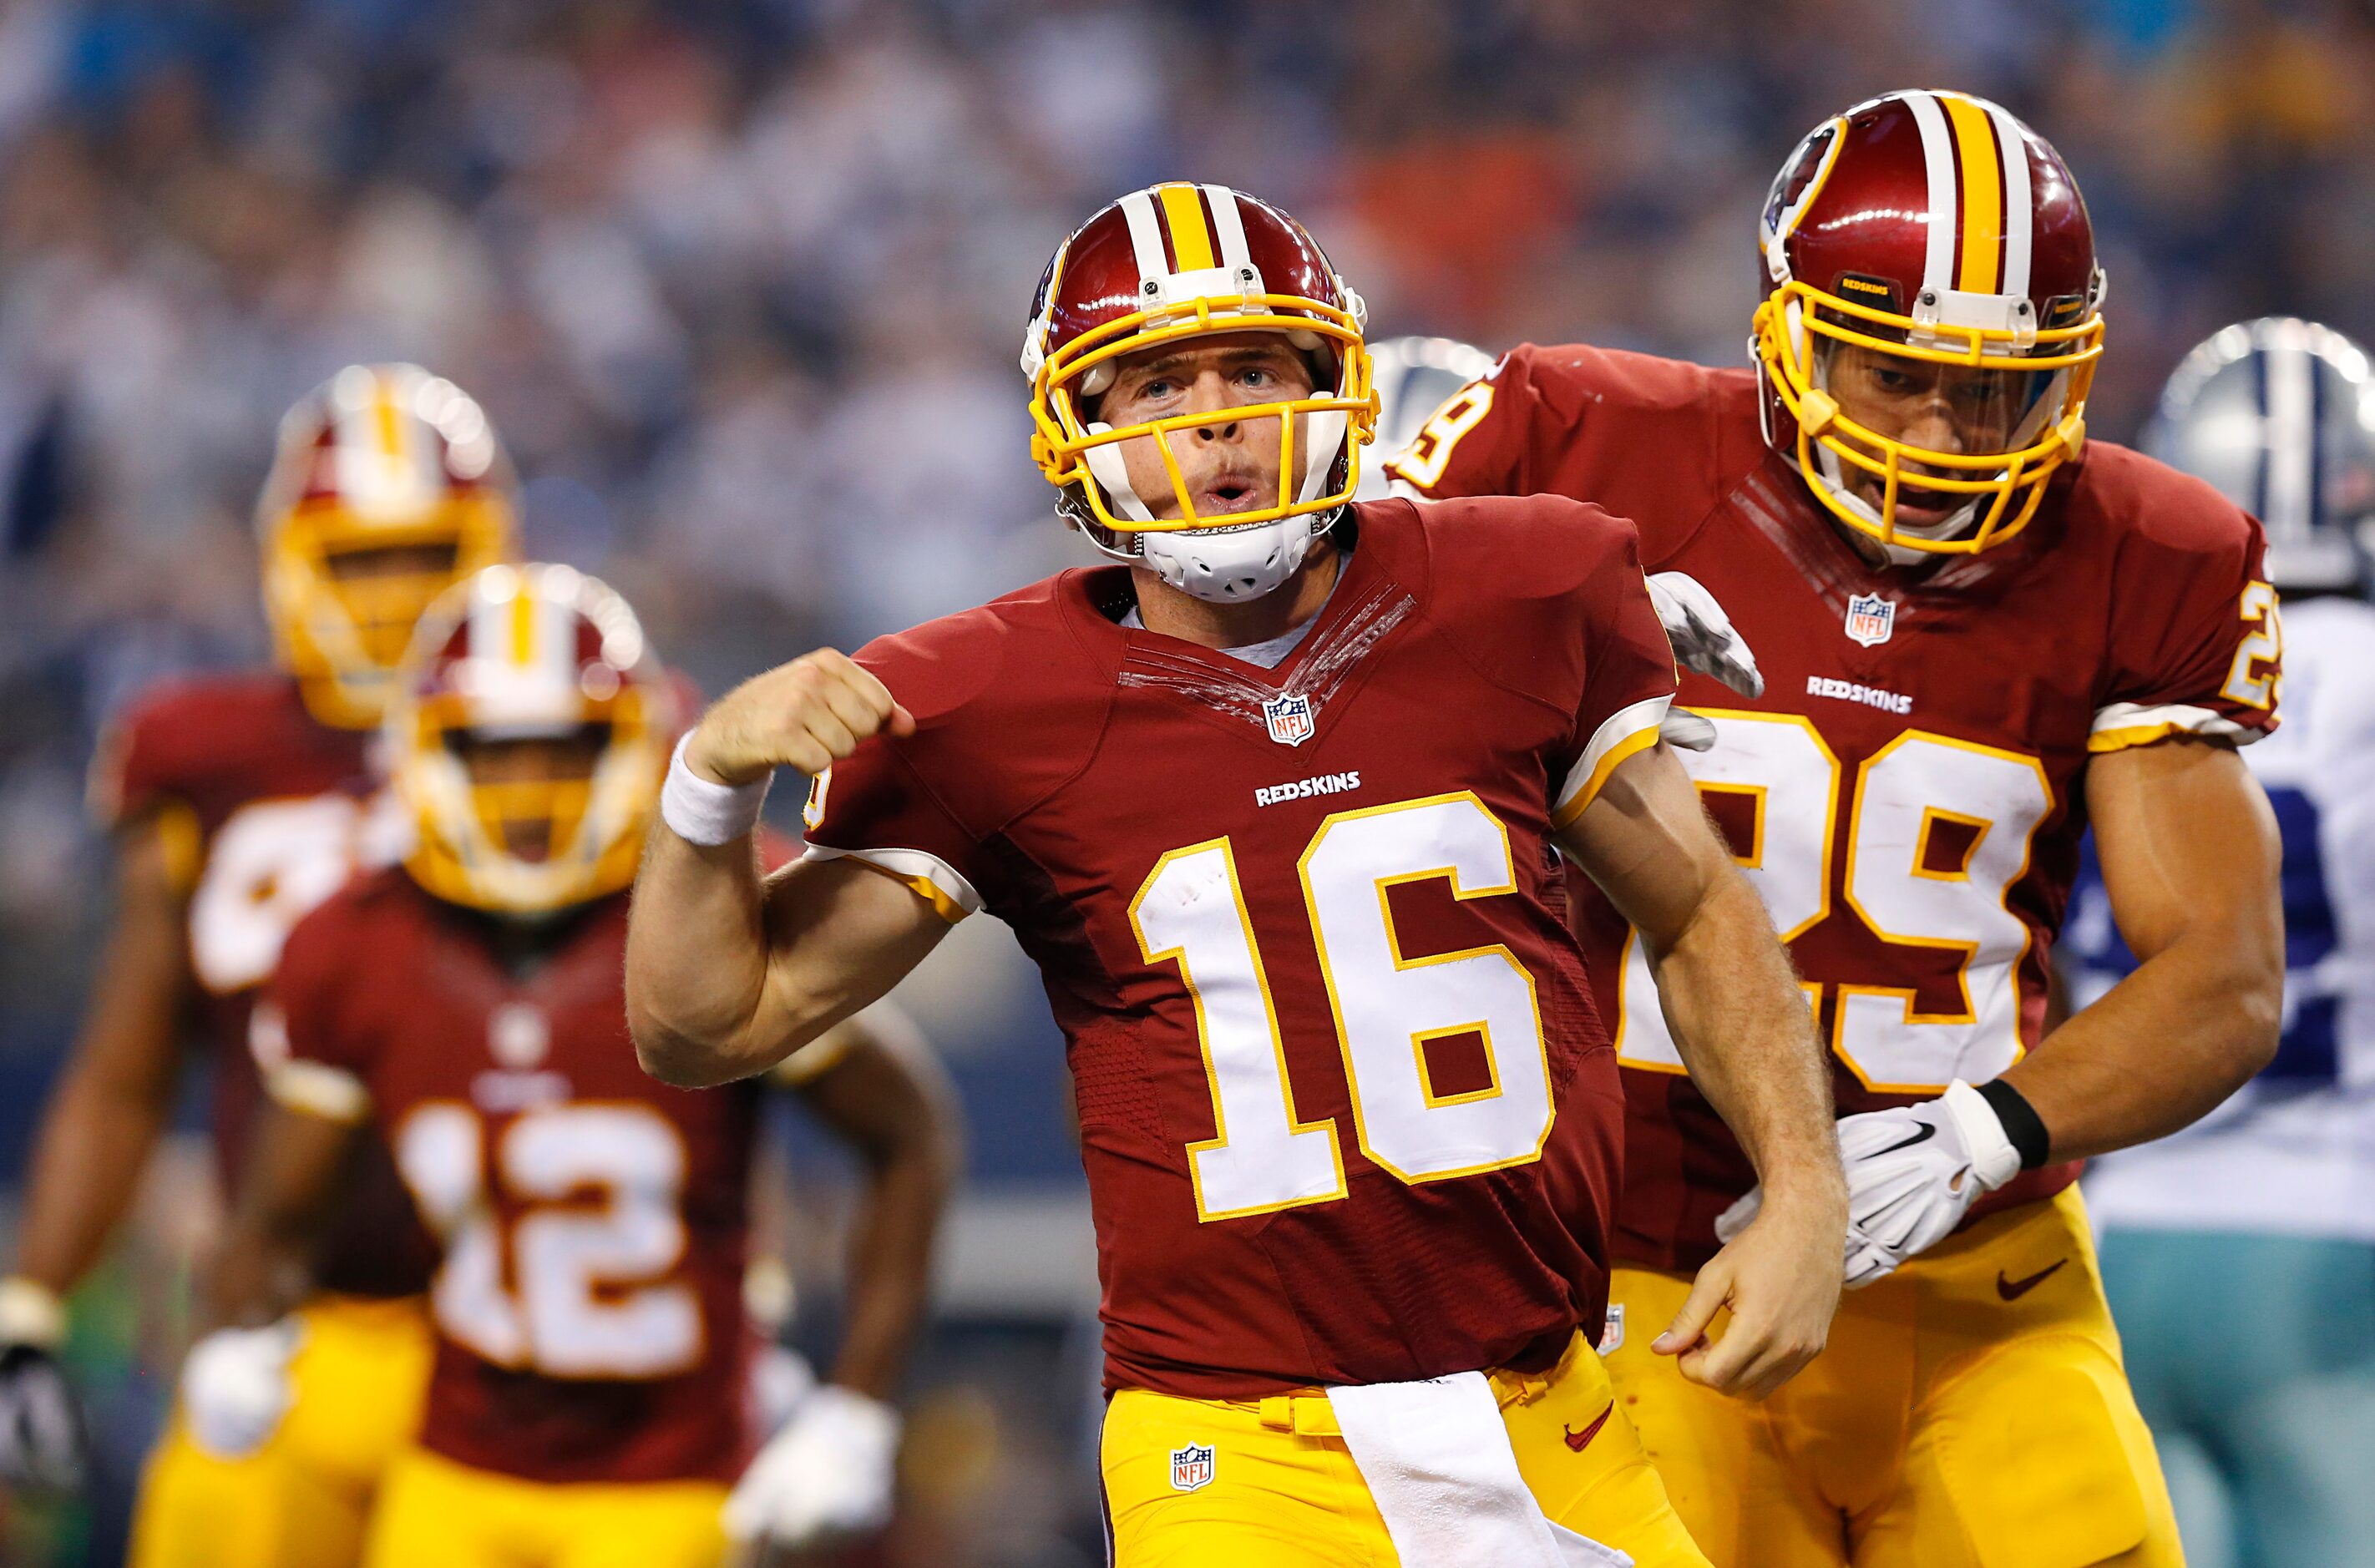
(741, 284)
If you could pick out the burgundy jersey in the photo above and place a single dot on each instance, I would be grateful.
(589, 1303)
(1347, 1111)
(1909, 793)
(266, 812)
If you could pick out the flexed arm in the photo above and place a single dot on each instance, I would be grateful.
(728, 974)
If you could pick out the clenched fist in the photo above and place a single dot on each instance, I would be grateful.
(804, 714)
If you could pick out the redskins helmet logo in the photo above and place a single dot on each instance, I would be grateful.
(1795, 183)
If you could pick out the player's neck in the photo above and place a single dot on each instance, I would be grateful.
(1182, 614)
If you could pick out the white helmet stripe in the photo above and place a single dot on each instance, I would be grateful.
(1938, 158)
(1228, 227)
(2020, 218)
(2290, 431)
(1145, 235)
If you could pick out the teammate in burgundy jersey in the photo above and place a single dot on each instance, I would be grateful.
(590, 1378)
(1976, 634)
(237, 802)
(1275, 805)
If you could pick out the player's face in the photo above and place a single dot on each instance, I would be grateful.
(525, 772)
(1227, 465)
(395, 560)
(1961, 409)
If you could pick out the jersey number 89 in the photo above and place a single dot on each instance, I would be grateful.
(1914, 798)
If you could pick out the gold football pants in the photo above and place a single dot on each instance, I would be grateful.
(436, 1514)
(1970, 1411)
(1281, 1489)
(302, 1499)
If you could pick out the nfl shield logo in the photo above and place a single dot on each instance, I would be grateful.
(1289, 719)
(1611, 1332)
(1191, 1467)
(1870, 619)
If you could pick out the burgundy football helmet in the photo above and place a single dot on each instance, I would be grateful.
(1182, 260)
(1937, 249)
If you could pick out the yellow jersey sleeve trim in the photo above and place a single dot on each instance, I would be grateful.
(2123, 725)
(319, 1089)
(1631, 729)
(926, 874)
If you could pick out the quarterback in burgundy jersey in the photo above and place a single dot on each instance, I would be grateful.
(1977, 632)
(1278, 803)
(237, 803)
(590, 1381)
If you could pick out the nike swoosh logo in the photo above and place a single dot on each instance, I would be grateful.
(1928, 1130)
(1579, 1439)
(2012, 1289)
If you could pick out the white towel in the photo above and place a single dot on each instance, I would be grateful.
(1438, 1461)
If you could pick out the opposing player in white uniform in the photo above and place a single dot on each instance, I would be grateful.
(2239, 1256)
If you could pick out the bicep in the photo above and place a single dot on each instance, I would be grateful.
(1646, 839)
(2187, 840)
(840, 935)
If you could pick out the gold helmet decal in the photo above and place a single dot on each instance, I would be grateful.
(388, 487)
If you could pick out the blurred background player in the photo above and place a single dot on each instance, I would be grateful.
(1413, 377)
(1980, 634)
(237, 803)
(588, 1404)
(2239, 1254)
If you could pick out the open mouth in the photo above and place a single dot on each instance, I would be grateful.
(1916, 506)
(1228, 494)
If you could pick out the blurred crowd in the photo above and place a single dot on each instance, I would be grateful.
(741, 282)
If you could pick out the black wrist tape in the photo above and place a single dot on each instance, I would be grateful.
(2021, 1122)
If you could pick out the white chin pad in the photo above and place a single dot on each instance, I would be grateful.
(1229, 565)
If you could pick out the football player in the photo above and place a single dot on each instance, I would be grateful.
(239, 802)
(1272, 801)
(587, 1402)
(2263, 1404)
(1978, 634)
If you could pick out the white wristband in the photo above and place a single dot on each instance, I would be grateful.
(702, 811)
(30, 1313)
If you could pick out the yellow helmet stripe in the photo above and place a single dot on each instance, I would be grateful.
(387, 420)
(1974, 144)
(524, 607)
(1191, 237)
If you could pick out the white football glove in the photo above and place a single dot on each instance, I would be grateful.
(1913, 1173)
(235, 1386)
(1703, 635)
(828, 1475)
